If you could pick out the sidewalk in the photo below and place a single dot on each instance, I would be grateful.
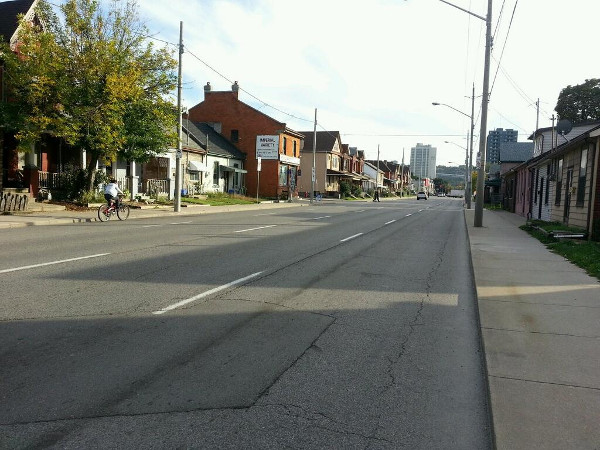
(61, 217)
(540, 323)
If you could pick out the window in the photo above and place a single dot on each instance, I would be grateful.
(216, 173)
(283, 169)
(235, 136)
(194, 175)
(537, 179)
(284, 144)
(295, 143)
(558, 187)
(582, 177)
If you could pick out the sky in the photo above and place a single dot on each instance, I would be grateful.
(373, 68)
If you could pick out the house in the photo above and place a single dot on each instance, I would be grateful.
(543, 186)
(272, 149)
(573, 171)
(329, 163)
(560, 182)
(12, 163)
(512, 155)
(373, 178)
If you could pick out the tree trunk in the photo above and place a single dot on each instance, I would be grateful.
(91, 172)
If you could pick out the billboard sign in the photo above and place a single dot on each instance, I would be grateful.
(267, 147)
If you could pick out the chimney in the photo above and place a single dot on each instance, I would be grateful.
(235, 88)
(207, 88)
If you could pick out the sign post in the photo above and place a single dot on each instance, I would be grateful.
(258, 167)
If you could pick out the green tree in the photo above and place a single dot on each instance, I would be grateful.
(92, 78)
(580, 102)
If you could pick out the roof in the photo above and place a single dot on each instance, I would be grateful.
(325, 140)
(515, 151)
(217, 144)
(8, 16)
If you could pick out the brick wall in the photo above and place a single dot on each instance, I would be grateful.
(225, 108)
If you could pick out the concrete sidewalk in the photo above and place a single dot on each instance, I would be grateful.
(540, 323)
(61, 217)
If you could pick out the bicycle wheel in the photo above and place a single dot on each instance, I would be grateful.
(103, 213)
(123, 212)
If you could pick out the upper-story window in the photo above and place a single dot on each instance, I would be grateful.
(284, 144)
(235, 136)
(295, 148)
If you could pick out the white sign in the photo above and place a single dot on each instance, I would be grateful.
(289, 160)
(259, 164)
(267, 146)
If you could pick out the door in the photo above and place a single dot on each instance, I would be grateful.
(541, 199)
(568, 185)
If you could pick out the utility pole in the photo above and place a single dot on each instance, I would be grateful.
(478, 222)
(469, 189)
(314, 164)
(377, 172)
(177, 202)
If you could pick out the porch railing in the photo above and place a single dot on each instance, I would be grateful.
(156, 187)
(49, 180)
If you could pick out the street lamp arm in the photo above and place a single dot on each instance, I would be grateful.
(451, 107)
(465, 10)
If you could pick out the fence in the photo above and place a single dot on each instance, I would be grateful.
(154, 187)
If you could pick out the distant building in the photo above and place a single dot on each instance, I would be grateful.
(422, 161)
(495, 139)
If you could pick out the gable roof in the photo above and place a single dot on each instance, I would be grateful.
(8, 16)
(217, 144)
(515, 151)
(325, 140)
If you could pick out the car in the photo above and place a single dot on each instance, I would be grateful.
(421, 195)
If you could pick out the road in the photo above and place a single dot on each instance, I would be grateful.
(338, 325)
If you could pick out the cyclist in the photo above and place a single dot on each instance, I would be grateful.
(111, 192)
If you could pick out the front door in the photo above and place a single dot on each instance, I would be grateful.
(568, 185)
(541, 199)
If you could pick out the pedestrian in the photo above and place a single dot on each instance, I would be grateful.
(376, 197)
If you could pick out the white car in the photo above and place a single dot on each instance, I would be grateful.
(421, 195)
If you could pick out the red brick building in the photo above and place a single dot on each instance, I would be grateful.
(241, 125)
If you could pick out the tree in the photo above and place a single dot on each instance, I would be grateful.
(581, 102)
(92, 78)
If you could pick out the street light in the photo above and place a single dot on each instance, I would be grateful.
(469, 161)
(478, 222)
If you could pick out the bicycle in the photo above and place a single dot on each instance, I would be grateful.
(106, 211)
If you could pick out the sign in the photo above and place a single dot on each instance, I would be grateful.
(258, 165)
(178, 153)
(289, 160)
(267, 146)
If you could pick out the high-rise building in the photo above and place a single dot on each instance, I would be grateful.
(422, 161)
(494, 139)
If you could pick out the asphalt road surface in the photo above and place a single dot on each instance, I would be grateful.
(338, 325)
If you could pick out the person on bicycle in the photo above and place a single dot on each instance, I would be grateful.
(111, 192)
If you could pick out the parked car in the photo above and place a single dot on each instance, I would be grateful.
(421, 195)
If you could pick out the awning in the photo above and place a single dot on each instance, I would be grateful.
(232, 169)
(196, 167)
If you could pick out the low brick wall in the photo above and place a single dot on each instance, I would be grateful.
(10, 201)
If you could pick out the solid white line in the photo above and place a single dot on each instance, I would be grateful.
(391, 221)
(205, 294)
(362, 210)
(317, 218)
(150, 226)
(266, 214)
(257, 228)
(53, 262)
(351, 237)
(181, 223)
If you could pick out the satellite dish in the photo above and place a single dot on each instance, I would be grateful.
(564, 126)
